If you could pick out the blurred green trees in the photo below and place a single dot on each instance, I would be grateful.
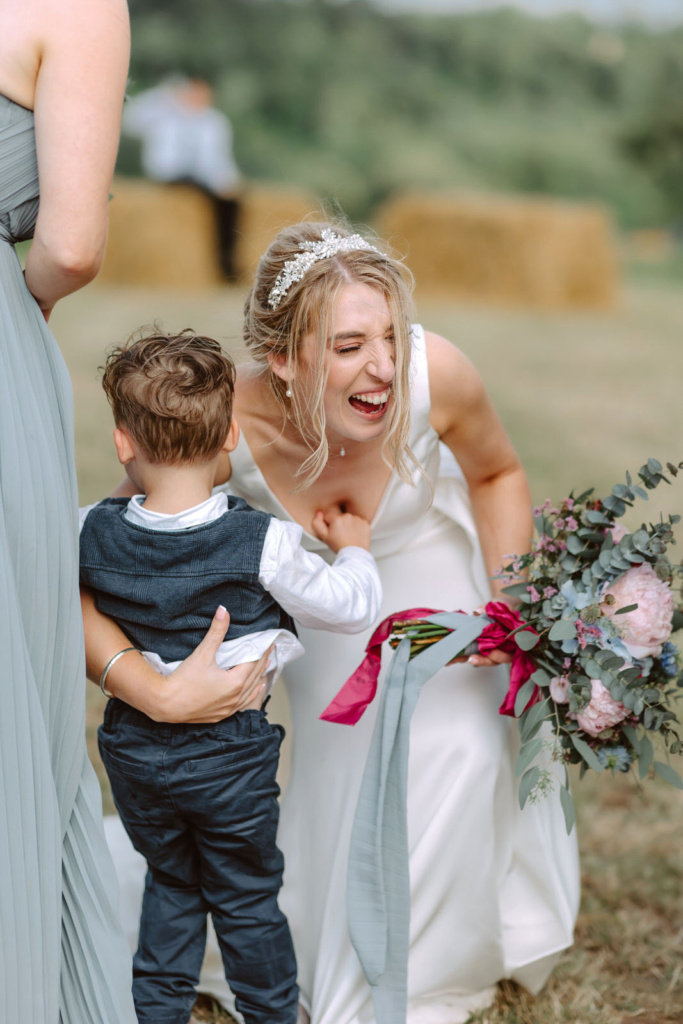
(355, 103)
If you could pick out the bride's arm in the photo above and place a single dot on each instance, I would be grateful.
(198, 691)
(464, 418)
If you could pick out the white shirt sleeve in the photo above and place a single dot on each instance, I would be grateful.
(82, 513)
(344, 597)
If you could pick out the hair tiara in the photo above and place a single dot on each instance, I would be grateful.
(295, 269)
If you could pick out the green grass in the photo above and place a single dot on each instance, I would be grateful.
(584, 396)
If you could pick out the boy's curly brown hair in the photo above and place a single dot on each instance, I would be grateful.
(173, 393)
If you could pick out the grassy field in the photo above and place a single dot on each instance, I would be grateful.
(584, 396)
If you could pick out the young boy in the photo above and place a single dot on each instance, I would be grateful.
(199, 802)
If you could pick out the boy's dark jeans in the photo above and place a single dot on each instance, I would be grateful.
(199, 802)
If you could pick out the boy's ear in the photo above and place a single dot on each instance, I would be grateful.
(124, 446)
(278, 366)
(233, 437)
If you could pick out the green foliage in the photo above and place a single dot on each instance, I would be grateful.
(354, 102)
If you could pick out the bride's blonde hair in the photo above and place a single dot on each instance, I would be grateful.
(309, 305)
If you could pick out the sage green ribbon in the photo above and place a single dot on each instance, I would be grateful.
(378, 881)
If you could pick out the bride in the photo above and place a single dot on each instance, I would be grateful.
(347, 405)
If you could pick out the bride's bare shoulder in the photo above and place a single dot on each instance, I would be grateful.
(455, 386)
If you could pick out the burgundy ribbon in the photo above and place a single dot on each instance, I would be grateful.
(360, 688)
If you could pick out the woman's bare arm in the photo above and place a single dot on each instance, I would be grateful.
(464, 418)
(198, 691)
(84, 50)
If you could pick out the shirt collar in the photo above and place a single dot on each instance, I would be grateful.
(213, 508)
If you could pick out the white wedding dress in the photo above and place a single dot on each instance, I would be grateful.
(494, 890)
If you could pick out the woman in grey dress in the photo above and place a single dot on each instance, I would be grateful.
(63, 959)
(62, 76)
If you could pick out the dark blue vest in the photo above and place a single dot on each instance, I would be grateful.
(163, 588)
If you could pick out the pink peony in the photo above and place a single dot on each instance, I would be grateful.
(602, 712)
(645, 629)
(558, 689)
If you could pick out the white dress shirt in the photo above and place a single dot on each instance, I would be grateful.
(344, 597)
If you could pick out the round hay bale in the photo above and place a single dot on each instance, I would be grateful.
(160, 235)
(264, 210)
(515, 251)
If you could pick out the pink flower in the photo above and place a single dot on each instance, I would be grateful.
(549, 592)
(618, 531)
(602, 712)
(558, 689)
(571, 524)
(644, 630)
(534, 594)
(568, 503)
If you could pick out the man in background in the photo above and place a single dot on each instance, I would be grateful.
(185, 140)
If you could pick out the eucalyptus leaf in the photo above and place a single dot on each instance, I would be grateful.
(540, 677)
(633, 738)
(516, 589)
(594, 516)
(641, 540)
(567, 808)
(605, 558)
(666, 772)
(526, 640)
(587, 754)
(526, 755)
(523, 697)
(626, 609)
(533, 717)
(529, 780)
(645, 756)
(574, 545)
(564, 629)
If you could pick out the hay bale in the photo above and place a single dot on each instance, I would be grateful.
(165, 235)
(264, 210)
(514, 251)
(160, 235)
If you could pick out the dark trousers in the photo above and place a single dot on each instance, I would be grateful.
(226, 209)
(199, 802)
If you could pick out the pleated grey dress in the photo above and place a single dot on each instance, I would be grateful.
(63, 959)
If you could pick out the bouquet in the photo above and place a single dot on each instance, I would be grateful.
(590, 642)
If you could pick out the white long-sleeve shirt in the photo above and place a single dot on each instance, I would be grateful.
(344, 597)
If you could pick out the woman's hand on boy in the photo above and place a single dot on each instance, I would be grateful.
(200, 691)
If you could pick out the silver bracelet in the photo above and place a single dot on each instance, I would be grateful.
(108, 666)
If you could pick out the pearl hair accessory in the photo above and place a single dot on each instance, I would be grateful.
(295, 269)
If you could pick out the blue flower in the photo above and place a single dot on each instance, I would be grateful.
(669, 659)
(617, 759)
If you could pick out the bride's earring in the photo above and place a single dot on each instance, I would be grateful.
(288, 393)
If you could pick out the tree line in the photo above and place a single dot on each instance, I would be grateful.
(356, 103)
